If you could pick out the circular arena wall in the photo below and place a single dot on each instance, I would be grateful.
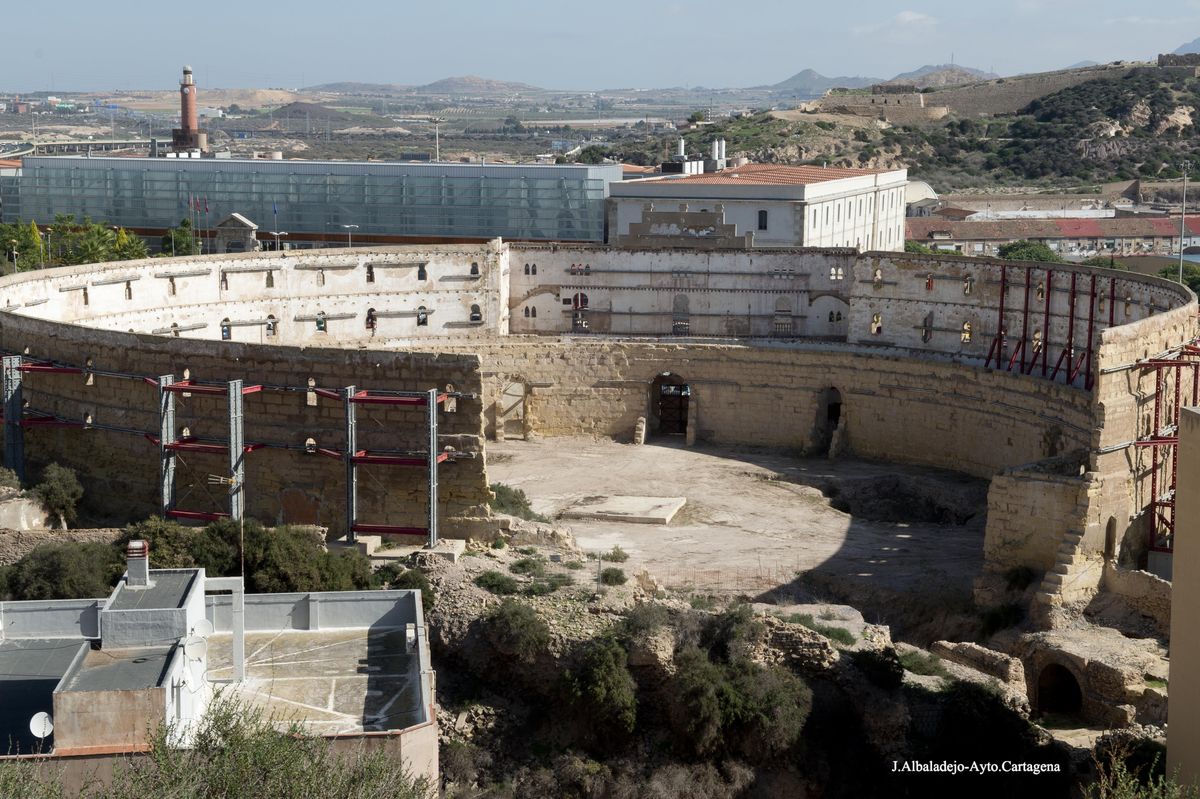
(1050, 366)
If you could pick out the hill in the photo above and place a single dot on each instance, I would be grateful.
(474, 85)
(1191, 47)
(942, 75)
(351, 87)
(809, 83)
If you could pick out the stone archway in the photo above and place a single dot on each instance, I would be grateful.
(670, 405)
(1058, 691)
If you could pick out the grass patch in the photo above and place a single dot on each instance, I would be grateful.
(499, 543)
(923, 663)
(1154, 682)
(549, 585)
(528, 550)
(839, 634)
(574, 565)
(532, 567)
(497, 583)
(513, 502)
(613, 576)
(702, 602)
(615, 555)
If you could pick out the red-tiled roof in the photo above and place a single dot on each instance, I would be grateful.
(776, 174)
(6, 163)
(637, 169)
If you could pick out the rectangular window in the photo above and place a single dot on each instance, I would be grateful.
(762, 220)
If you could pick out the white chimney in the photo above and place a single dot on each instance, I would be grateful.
(137, 554)
(722, 155)
(681, 146)
(716, 149)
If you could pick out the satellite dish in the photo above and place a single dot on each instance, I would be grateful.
(195, 648)
(203, 628)
(41, 725)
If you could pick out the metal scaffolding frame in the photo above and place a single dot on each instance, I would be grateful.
(1163, 439)
(14, 435)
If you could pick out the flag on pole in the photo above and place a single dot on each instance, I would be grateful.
(206, 203)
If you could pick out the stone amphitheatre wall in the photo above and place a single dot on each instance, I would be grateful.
(1010, 95)
(120, 469)
(912, 386)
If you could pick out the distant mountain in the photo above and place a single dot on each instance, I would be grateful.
(810, 83)
(1191, 47)
(474, 85)
(350, 87)
(1083, 65)
(942, 75)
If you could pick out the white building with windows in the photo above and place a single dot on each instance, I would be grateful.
(766, 205)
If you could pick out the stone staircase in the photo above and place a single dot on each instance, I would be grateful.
(1074, 577)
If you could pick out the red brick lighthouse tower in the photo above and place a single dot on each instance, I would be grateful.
(188, 135)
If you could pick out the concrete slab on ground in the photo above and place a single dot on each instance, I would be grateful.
(635, 510)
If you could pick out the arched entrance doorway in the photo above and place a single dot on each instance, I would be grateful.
(829, 416)
(669, 398)
(1059, 691)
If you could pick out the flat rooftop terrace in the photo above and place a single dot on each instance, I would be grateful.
(169, 590)
(30, 668)
(333, 682)
(132, 669)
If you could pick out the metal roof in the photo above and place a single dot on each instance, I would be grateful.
(168, 590)
(120, 669)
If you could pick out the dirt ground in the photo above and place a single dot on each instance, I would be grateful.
(755, 520)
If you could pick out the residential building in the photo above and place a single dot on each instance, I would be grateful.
(768, 205)
(1069, 237)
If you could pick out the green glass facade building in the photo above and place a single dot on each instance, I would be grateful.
(450, 200)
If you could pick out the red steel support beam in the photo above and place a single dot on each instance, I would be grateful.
(997, 348)
(195, 515)
(1068, 351)
(1049, 288)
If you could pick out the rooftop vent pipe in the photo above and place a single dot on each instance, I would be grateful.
(137, 554)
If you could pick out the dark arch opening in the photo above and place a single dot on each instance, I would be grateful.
(829, 416)
(1110, 540)
(669, 397)
(1059, 691)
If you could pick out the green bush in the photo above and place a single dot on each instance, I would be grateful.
(615, 555)
(529, 566)
(513, 502)
(722, 631)
(613, 576)
(515, 630)
(881, 667)
(602, 689)
(499, 543)
(170, 542)
(574, 565)
(396, 577)
(924, 663)
(59, 492)
(738, 708)
(838, 634)
(497, 582)
(8, 478)
(644, 618)
(65, 570)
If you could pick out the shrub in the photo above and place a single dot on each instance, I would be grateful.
(497, 582)
(515, 630)
(644, 618)
(66, 570)
(513, 502)
(529, 566)
(615, 555)
(574, 565)
(8, 478)
(170, 542)
(603, 690)
(702, 602)
(613, 576)
(838, 634)
(881, 667)
(721, 631)
(924, 663)
(412, 579)
(59, 492)
(499, 543)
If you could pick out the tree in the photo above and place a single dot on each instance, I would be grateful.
(917, 248)
(59, 492)
(516, 632)
(66, 570)
(603, 690)
(592, 154)
(181, 240)
(697, 116)
(128, 246)
(1191, 275)
(1025, 250)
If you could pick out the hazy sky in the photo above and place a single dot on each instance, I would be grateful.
(563, 44)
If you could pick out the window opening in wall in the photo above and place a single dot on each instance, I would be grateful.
(831, 317)
(310, 446)
(476, 314)
(877, 278)
(422, 316)
(783, 325)
(838, 316)
(185, 432)
(370, 273)
(876, 324)
(968, 284)
(527, 312)
(175, 329)
(226, 330)
(681, 324)
(270, 278)
(966, 333)
(833, 273)
(1128, 306)
(224, 280)
(840, 273)
(1037, 341)
(929, 283)
(85, 295)
(322, 322)
(573, 269)
(533, 269)
(1041, 291)
(1110, 539)
(927, 328)
(450, 405)
(533, 312)
(320, 277)
(310, 397)
(579, 301)
(171, 286)
(762, 220)
(1100, 306)
(1058, 691)
(422, 272)
(372, 320)
(90, 379)
(527, 269)
(670, 396)
(271, 325)
(474, 268)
